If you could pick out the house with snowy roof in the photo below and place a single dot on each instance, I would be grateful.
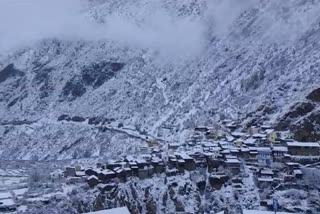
(250, 142)
(264, 156)
(232, 163)
(280, 153)
(303, 148)
(93, 181)
(120, 210)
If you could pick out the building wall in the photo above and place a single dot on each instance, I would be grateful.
(303, 151)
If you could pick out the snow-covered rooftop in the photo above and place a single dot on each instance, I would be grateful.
(120, 210)
(257, 212)
(303, 144)
(280, 149)
(263, 149)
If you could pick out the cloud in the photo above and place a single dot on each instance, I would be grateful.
(222, 14)
(24, 22)
(147, 24)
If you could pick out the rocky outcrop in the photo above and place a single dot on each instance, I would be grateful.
(93, 75)
(78, 119)
(98, 73)
(74, 88)
(303, 120)
(297, 111)
(64, 117)
(314, 95)
(308, 129)
(8, 72)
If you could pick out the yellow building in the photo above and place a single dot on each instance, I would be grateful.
(273, 136)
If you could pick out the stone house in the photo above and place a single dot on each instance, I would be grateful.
(188, 162)
(143, 173)
(303, 149)
(279, 153)
(250, 142)
(253, 152)
(106, 175)
(70, 172)
(93, 181)
(91, 171)
(233, 164)
(120, 174)
(244, 153)
(158, 165)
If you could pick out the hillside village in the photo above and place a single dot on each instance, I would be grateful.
(226, 154)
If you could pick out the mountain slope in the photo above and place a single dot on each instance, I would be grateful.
(252, 65)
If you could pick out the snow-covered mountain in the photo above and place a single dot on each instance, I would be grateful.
(141, 65)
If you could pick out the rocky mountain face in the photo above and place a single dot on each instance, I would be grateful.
(260, 65)
(303, 118)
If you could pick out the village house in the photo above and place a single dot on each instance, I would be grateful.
(141, 163)
(253, 130)
(264, 182)
(291, 166)
(244, 153)
(232, 125)
(238, 134)
(253, 152)
(266, 173)
(189, 164)
(75, 180)
(158, 165)
(173, 146)
(199, 158)
(91, 171)
(70, 172)
(143, 173)
(201, 129)
(230, 138)
(259, 136)
(303, 149)
(106, 175)
(280, 153)
(172, 161)
(135, 169)
(264, 156)
(250, 142)
(239, 143)
(92, 181)
(234, 151)
(218, 180)
(120, 210)
(232, 163)
(212, 148)
(225, 152)
(265, 127)
(80, 173)
(144, 149)
(112, 164)
(180, 165)
(120, 174)
(208, 146)
(272, 135)
(297, 173)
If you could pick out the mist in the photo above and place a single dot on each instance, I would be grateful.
(25, 22)
(150, 26)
